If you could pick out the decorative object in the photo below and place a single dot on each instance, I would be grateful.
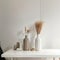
(16, 46)
(32, 49)
(32, 37)
(38, 26)
(26, 43)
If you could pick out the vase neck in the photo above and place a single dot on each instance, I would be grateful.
(38, 35)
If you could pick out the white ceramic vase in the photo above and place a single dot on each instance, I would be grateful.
(38, 44)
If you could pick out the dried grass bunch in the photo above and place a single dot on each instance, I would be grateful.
(38, 26)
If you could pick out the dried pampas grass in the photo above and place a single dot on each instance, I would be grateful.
(38, 26)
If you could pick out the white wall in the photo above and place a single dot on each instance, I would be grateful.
(16, 14)
(50, 13)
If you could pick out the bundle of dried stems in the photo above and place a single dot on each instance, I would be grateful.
(38, 26)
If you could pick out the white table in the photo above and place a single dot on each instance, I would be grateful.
(35, 54)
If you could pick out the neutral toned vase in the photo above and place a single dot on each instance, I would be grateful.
(26, 44)
(26, 41)
(38, 45)
(38, 26)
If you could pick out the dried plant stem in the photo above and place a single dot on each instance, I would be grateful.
(38, 26)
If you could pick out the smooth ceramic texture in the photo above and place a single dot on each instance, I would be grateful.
(38, 45)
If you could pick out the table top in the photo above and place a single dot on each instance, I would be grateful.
(41, 53)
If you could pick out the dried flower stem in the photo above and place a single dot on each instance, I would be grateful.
(38, 26)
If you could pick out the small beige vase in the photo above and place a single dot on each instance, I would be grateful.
(26, 44)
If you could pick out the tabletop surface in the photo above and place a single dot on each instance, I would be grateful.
(41, 53)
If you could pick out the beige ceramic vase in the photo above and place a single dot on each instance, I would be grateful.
(26, 43)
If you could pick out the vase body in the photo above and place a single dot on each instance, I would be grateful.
(38, 43)
(26, 44)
